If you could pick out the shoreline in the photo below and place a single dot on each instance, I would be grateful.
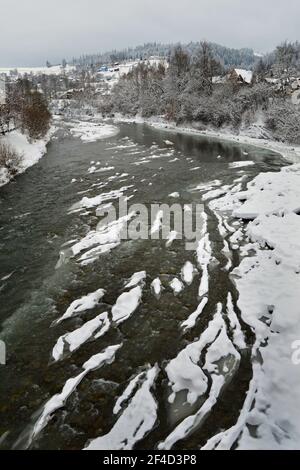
(29, 152)
(289, 152)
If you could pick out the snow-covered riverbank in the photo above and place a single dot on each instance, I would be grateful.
(29, 152)
(268, 284)
(289, 152)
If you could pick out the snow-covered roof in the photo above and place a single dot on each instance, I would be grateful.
(246, 75)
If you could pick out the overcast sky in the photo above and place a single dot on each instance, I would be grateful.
(32, 31)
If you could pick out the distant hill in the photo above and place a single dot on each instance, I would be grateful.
(242, 58)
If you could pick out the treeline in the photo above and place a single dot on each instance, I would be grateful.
(228, 57)
(26, 108)
(282, 63)
(197, 88)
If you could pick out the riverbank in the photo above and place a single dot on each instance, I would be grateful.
(290, 152)
(29, 152)
(268, 284)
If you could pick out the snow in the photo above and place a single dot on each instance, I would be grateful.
(192, 319)
(183, 371)
(246, 75)
(268, 286)
(126, 304)
(241, 164)
(53, 70)
(176, 285)
(271, 193)
(79, 336)
(86, 302)
(215, 193)
(171, 237)
(156, 286)
(221, 361)
(95, 169)
(187, 272)
(136, 278)
(100, 241)
(91, 131)
(204, 258)
(127, 393)
(88, 203)
(136, 420)
(58, 401)
(30, 152)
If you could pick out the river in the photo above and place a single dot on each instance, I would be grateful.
(37, 229)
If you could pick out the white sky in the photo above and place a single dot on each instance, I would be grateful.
(32, 31)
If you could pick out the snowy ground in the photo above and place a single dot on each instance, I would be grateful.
(54, 70)
(30, 152)
(268, 284)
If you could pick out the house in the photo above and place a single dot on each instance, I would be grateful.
(2, 91)
(241, 76)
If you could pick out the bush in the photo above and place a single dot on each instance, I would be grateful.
(9, 159)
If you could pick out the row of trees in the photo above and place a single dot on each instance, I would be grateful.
(26, 108)
(228, 57)
(283, 63)
(187, 91)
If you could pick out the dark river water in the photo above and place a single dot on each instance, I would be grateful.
(35, 221)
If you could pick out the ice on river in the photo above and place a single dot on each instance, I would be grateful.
(100, 241)
(126, 304)
(268, 284)
(86, 302)
(58, 401)
(184, 373)
(76, 338)
(91, 131)
(137, 419)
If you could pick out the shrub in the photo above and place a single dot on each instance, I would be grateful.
(9, 159)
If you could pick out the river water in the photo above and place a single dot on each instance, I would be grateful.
(36, 289)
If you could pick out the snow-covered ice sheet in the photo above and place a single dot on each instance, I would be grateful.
(126, 304)
(156, 286)
(221, 362)
(136, 278)
(102, 240)
(176, 285)
(58, 401)
(76, 338)
(268, 285)
(137, 419)
(86, 302)
(191, 321)
(91, 131)
(187, 273)
(89, 202)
